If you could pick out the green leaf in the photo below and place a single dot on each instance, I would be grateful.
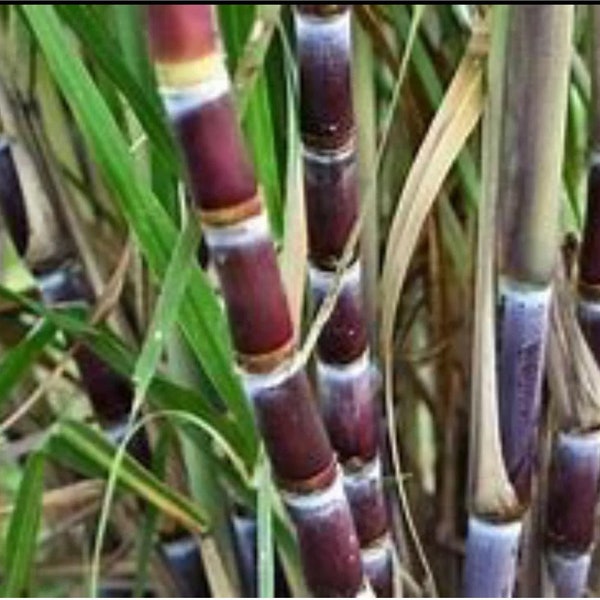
(99, 42)
(94, 452)
(163, 394)
(149, 528)
(201, 317)
(252, 94)
(19, 359)
(163, 319)
(23, 530)
(266, 557)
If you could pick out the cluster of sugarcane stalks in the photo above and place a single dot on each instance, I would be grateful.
(529, 508)
(40, 235)
(525, 120)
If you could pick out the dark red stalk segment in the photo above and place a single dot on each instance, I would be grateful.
(288, 418)
(256, 303)
(220, 173)
(11, 200)
(523, 323)
(365, 495)
(294, 435)
(332, 207)
(332, 564)
(573, 492)
(326, 115)
(344, 337)
(349, 413)
(589, 265)
(331, 192)
(180, 32)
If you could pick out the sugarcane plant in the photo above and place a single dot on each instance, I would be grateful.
(40, 235)
(530, 55)
(344, 372)
(292, 300)
(574, 354)
(196, 91)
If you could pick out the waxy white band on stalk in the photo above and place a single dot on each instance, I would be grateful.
(254, 383)
(582, 444)
(181, 101)
(487, 529)
(569, 573)
(331, 32)
(589, 307)
(51, 284)
(369, 473)
(361, 367)
(239, 234)
(491, 558)
(116, 433)
(378, 552)
(322, 281)
(181, 547)
(331, 497)
(330, 157)
(524, 294)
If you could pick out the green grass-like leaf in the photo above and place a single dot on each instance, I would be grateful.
(201, 318)
(21, 542)
(19, 359)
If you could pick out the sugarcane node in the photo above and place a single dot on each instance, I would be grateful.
(181, 32)
(589, 292)
(321, 481)
(322, 10)
(225, 217)
(267, 361)
(64, 285)
(177, 75)
(329, 138)
(355, 464)
(379, 543)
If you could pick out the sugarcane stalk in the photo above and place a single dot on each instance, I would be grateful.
(536, 92)
(524, 124)
(575, 469)
(331, 186)
(196, 90)
(572, 500)
(61, 281)
(494, 523)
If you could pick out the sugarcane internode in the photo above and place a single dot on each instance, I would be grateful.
(196, 92)
(571, 511)
(344, 374)
(524, 315)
